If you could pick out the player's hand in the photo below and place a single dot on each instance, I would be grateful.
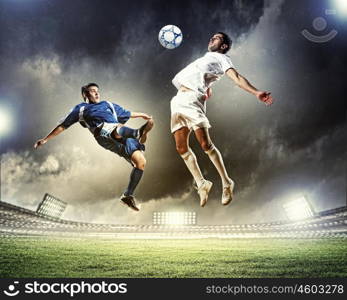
(208, 94)
(146, 117)
(265, 97)
(40, 143)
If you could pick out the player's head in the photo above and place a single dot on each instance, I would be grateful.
(219, 42)
(90, 93)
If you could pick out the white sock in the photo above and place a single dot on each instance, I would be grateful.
(217, 159)
(192, 165)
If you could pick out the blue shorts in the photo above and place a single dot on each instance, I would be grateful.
(124, 147)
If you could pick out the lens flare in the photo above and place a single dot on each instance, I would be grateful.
(341, 6)
(5, 122)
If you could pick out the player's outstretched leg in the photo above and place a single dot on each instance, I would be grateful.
(139, 162)
(228, 184)
(182, 146)
(215, 156)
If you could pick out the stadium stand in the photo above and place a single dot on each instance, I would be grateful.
(18, 221)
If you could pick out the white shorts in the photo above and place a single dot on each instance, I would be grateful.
(188, 110)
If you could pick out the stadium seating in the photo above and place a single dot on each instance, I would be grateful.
(18, 221)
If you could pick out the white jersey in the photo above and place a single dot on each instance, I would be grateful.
(201, 73)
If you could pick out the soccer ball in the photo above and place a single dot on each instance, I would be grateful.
(170, 36)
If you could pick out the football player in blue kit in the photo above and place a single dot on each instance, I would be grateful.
(105, 120)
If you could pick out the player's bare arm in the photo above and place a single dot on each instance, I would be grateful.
(57, 130)
(243, 83)
(140, 115)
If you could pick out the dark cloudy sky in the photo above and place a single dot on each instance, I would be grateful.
(49, 48)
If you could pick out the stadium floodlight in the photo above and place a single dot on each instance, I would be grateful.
(298, 209)
(341, 6)
(5, 123)
(174, 218)
(51, 206)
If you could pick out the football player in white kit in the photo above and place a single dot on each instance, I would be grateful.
(188, 111)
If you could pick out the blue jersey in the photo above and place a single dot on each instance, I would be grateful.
(91, 115)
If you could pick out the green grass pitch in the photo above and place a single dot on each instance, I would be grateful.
(175, 258)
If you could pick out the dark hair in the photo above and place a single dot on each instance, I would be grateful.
(85, 88)
(226, 40)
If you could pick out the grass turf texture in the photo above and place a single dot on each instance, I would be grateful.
(232, 258)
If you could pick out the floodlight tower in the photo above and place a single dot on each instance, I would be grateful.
(174, 218)
(298, 209)
(51, 206)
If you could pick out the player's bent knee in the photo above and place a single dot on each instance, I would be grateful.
(143, 163)
(181, 149)
(139, 160)
(206, 145)
(151, 122)
(140, 164)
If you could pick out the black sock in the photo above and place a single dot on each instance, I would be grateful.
(135, 177)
